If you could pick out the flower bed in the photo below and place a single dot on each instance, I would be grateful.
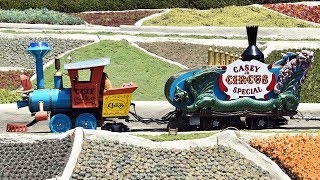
(14, 50)
(11, 79)
(298, 155)
(113, 160)
(308, 13)
(39, 160)
(190, 55)
(115, 18)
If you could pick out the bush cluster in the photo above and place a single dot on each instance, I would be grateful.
(99, 5)
(38, 16)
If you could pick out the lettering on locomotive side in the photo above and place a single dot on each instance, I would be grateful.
(84, 96)
(246, 78)
(84, 90)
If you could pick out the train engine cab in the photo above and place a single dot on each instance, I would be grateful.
(92, 99)
(85, 79)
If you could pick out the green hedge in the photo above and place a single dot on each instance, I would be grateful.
(99, 5)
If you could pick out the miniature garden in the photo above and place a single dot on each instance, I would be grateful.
(297, 155)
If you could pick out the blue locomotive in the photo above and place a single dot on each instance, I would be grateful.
(86, 104)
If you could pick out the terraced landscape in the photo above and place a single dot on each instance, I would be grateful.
(103, 157)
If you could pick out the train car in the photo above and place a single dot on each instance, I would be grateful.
(246, 92)
(86, 104)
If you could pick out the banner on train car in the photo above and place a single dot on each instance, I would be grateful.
(116, 105)
(247, 78)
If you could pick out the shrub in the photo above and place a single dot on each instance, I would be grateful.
(8, 96)
(38, 16)
(234, 16)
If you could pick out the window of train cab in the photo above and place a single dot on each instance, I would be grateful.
(85, 87)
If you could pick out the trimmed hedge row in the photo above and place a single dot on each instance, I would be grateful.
(71, 6)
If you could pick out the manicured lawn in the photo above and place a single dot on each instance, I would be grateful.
(167, 137)
(231, 16)
(128, 64)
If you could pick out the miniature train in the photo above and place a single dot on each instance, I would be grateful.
(210, 97)
(86, 104)
(216, 97)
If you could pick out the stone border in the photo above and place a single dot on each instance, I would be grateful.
(74, 155)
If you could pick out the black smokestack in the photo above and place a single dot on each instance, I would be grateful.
(252, 51)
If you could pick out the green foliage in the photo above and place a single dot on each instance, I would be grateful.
(127, 64)
(167, 137)
(38, 16)
(311, 88)
(8, 96)
(234, 16)
(99, 5)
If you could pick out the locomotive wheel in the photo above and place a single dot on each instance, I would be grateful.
(257, 122)
(216, 123)
(87, 121)
(60, 123)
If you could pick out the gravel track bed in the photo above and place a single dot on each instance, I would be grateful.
(14, 52)
(42, 159)
(190, 55)
(102, 159)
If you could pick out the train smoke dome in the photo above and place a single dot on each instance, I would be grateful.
(252, 51)
(39, 50)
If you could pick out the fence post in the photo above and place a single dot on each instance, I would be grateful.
(231, 58)
(226, 58)
(216, 57)
(210, 57)
(221, 57)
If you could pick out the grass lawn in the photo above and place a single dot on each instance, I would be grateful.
(127, 64)
(167, 137)
(231, 16)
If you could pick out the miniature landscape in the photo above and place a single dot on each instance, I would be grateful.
(296, 154)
